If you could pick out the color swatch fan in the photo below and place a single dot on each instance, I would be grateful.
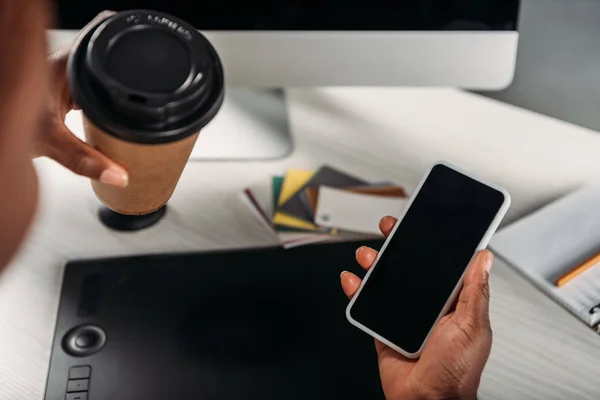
(305, 206)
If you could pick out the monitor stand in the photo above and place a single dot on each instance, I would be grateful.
(252, 125)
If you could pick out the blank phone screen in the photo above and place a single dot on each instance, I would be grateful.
(426, 257)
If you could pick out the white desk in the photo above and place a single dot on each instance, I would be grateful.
(540, 351)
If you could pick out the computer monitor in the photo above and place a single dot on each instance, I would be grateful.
(268, 45)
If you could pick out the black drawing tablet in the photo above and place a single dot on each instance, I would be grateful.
(252, 324)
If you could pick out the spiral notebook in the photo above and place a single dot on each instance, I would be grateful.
(557, 248)
(583, 295)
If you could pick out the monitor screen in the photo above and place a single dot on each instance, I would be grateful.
(316, 15)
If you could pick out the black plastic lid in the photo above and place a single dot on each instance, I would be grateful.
(146, 77)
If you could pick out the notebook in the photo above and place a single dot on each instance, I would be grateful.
(552, 242)
(582, 294)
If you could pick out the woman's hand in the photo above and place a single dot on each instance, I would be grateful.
(56, 141)
(455, 355)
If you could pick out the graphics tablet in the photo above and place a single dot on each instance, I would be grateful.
(257, 324)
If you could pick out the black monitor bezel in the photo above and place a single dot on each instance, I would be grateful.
(383, 15)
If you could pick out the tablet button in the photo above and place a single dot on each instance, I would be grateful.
(80, 385)
(79, 372)
(76, 396)
(84, 341)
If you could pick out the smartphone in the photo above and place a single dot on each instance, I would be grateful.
(419, 271)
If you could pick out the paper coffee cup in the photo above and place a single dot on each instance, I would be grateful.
(147, 84)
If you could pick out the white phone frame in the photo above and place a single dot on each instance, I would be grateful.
(482, 245)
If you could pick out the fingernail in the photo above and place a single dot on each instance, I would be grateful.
(489, 260)
(343, 273)
(114, 177)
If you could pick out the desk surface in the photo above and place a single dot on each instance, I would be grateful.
(540, 351)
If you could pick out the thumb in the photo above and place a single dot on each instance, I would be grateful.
(81, 158)
(474, 301)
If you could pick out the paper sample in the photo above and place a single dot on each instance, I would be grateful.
(355, 212)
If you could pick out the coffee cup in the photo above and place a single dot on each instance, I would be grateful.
(147, 83)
